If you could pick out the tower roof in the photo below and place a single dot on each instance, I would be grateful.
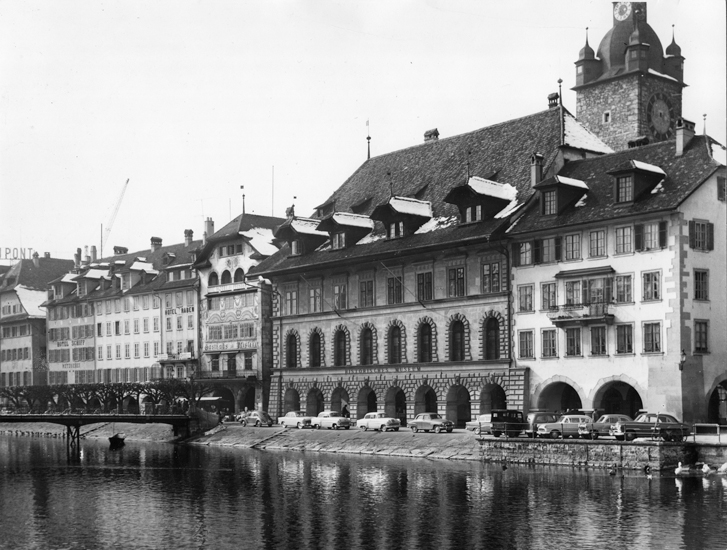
(613, 46)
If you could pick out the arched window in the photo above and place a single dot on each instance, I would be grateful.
(239, 275)
(456, 341)
(339, 358)
(292, 355)
(226, 277)
(425, 343)
(492, 339)
(315, 350)
(213, 280)
(394, 345)
(367, 347)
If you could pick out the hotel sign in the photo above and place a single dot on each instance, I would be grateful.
(230, 346)
(178, 310)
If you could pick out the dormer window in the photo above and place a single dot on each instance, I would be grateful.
(625, 188)
(550, 203)
(338, 240)
(473, 213)
(396, 229)
(295, 247)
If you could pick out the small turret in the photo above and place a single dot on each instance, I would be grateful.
(588, 68)
(674, 61)
(637, 51)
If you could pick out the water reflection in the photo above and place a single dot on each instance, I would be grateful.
(161, 496)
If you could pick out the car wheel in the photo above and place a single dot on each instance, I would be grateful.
(335, 426)
(243, 422)
(382, 428)
(438, 430)
(346, 427)
(257, 423)
(677, 438)
(300, 426)
(396, 429)
(414, 429)
(619, 437)
(555, 434)
(531, 435)
(449, 431)
(594, 435)
(630, 436)
(496, 433)
(513, 434)
(317, 426)
(478, 431)
(364, 427)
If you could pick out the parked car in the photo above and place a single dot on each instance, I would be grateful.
(255, 418)
(378, 421)
(655, 425)
(566, 426)
(535, 419)
(431, 421)
(295, 419)
(602, 426)
(480, 425)
(331, 419)
(510, 422)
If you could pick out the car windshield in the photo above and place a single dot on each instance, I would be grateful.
(646, 418)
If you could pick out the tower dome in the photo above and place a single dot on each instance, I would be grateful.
(612, 47)
(586, 52)
(673, 48)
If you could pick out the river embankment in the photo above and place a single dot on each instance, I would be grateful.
(458, 445)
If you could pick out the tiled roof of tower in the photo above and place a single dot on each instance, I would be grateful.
(427, 172)
(683, 175)
(244, 222)
(25, 273)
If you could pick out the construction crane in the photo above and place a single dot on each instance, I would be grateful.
(110, 224)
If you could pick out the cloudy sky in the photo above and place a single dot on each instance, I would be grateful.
(191, 100)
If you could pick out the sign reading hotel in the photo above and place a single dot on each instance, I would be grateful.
(230, 346)
(177, 310)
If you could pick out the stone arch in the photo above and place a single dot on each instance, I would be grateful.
(287, 360)
(366, 400)
(433, 326)
(459, 404)
(239, 275)
(492, 396)
(402, 333)
(340, 400)
(321, 344)
(502, 335)
(347, 337)
(213, 279)
(466, 336)
(395, 401)
(226, 277)
(425, 399)
(374, 343)
(720, 380)
(291, 400)
(605, 384)
(538, 390)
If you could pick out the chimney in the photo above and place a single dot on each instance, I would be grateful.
(209, 227)
(46, 254)
(93, 253)
(553, 100)
(120, 250)
(86, 257)
(685, 133)
(36, 259)
(431, 135)
(77, 259)
(188, 234)
(156, 244)
(536, 169)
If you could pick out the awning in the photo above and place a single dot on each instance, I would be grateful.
(585, 273)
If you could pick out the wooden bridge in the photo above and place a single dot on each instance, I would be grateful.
(74, 421)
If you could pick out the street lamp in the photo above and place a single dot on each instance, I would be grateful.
(191, 390)
(682, 360)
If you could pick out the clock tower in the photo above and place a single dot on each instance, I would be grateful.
(628, 89)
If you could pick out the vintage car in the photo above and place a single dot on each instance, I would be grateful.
(602, 426)
(331, 419)
(254, 418)
(480, 422)
(378, 421)
(498, 422)
(654, 425)
(566, 426)
(296, 419)
(431, 422)
(535, 419)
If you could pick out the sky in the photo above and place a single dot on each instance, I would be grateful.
(190, 100)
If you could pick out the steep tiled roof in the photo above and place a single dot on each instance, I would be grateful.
(25, 273)
(683, 175)
(244, 222)
(428, 172)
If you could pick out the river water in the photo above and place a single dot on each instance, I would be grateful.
(161, 496)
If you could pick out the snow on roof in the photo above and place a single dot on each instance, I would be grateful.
(483, 186)
(719, 152)
(578, 136)
(581, 201)
(307, 226)
(350, 219)
(32, 300)
(652, 71)
(69, 278)
(372, 238)
(178, 266)
(261, 239)
(572, 182)
(95, 274)
(659, 188)
(509, 209)
(435, 224)
(120, 262)
(406, 205)
(648, 167)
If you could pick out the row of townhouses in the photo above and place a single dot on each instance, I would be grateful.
(552, 262)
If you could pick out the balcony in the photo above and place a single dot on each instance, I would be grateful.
(184, 356)
(249, 374)
(227, 287)
(581, 314)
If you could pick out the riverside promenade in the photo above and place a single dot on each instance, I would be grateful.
(458, 445)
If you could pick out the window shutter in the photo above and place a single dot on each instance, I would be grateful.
(584, 291)
(558, 249)
(638, 237)
(607, 289)
(720, 188)
(710, 236)
(692, 233)
(537, 248)
(662, 234)
(515, 254)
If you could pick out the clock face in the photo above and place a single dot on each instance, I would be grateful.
(622, 10)
(660, 116)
